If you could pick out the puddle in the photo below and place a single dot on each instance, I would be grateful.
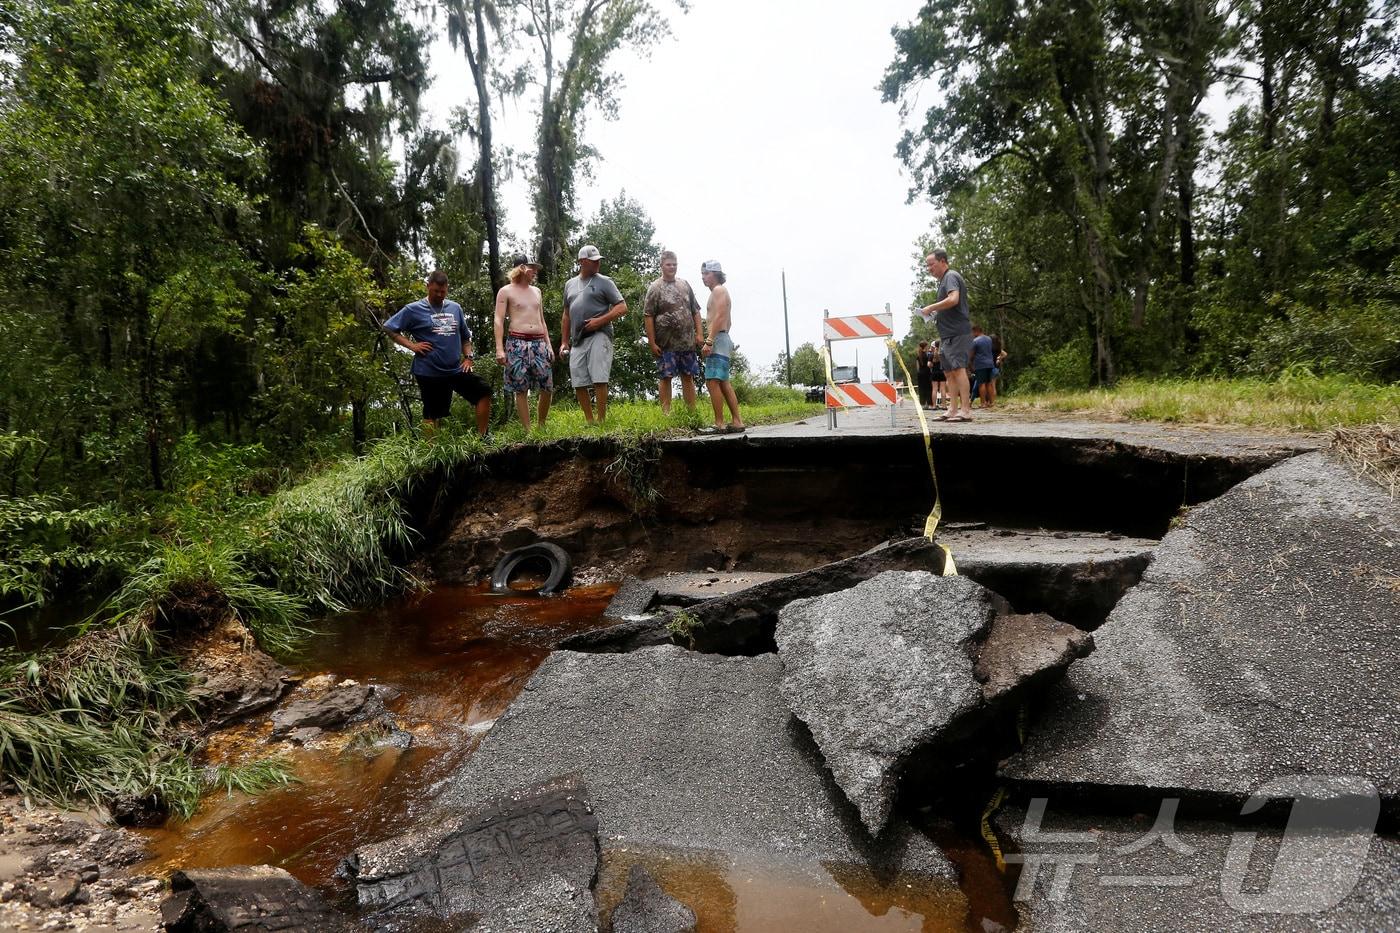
(457, 657)
(739, 896)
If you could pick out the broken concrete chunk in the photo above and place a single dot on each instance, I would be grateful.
(1026, 651)
(526, 860)
(686, 751)
(646, 908)
(246, 899)
(881, 669)
(633, 598)
(1262, 642)
(742, 622)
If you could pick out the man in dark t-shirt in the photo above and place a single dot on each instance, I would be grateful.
(436, 331)
(950, 312)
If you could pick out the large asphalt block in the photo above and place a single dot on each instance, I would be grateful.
(893, 666)
(1159, 873)
(682, 751)
(1263, 641)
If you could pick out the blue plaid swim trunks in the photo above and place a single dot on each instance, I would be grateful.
(672, 363)
(528, 365)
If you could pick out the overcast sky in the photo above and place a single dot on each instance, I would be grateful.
(755, 136)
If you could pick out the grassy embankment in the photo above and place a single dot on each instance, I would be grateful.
(105, 718)
(1291, 403)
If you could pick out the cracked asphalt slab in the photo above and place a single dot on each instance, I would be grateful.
(1262, 642)
(1156, 873)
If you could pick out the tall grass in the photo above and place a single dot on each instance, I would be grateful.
(97, 720)
(1297, 400)
(93, 721)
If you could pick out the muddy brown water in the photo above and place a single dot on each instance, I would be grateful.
(457, 657)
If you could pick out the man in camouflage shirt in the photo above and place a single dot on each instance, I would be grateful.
(674, 332)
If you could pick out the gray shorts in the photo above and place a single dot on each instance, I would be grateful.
(590, 362)
(955, 352)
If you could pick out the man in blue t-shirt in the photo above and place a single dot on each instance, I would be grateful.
(437, 333)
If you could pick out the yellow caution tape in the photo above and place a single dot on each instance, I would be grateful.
(831, 383)
(987, 834)
(950, 569)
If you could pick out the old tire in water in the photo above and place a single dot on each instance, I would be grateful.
(560, 568)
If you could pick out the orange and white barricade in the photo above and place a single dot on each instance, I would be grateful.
(861, 395)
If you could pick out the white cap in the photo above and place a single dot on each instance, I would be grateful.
(710, 265)
(590, 252)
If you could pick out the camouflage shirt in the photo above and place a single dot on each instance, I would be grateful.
(672, 306)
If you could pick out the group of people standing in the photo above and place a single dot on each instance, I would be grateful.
(961, 346)
(435, 330)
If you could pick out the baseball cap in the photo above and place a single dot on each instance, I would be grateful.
(523, 259)
(710, 265)
(590, 252)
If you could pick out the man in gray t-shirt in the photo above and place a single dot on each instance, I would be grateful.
(591, 303)
(950, 311)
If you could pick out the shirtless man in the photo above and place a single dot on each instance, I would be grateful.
(525, 355)
(718, 351)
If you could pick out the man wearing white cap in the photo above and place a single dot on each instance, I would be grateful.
(591, 303)
(718, 351)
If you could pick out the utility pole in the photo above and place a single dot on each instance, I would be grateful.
(787, 340)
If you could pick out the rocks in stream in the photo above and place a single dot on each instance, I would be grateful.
(230, 677)
(646, 908)
(524, 861)
(329, 709)
(246, 899)
(902, 662)
(1262, 642)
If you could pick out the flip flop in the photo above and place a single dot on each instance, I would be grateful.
(711, 430)
(735, 429)
(944, 418)
(960, 418)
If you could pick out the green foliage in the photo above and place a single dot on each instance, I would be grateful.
(1298, 400)
(681, 627)
(254, 777)
(92, 722)
(1064, 370)
(807, 368)
(44, 541)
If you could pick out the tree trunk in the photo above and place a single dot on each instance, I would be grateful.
(359, 410)
(486, 170)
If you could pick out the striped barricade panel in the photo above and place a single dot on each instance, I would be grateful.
(859, 326)
(861, 395)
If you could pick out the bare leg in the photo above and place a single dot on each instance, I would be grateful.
(716, 400)
(688, 391)
(991, 393)
(585, 403)
(733, 401)
(483, 415)
(522, 408)
(546, 397)
(663, 389)
(600, 389)
(958, 394)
